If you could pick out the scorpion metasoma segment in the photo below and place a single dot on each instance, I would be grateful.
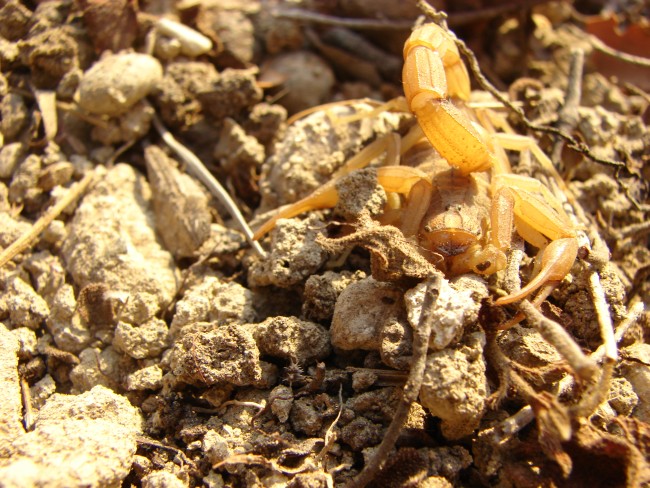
(462, 202)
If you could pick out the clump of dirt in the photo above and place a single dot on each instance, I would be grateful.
(144, 342)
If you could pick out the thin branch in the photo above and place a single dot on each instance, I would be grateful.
(599, 45)
(28, 410)
(513, 424)
(310, 16)
(421, 335)
(330, 435)
(568, 116)
(633, 314)
(437, 16)
(456, 19)
(635, 230)
(571, 141)
(604, 316)
(595, 394)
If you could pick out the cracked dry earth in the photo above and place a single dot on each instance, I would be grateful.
(143, 342)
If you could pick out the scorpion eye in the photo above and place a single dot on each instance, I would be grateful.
(483, 266)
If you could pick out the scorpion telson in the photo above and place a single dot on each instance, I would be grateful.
(461, 203)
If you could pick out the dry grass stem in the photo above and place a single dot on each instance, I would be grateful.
(27, 239)
(198, 169)
(604, 316)
(568, 116)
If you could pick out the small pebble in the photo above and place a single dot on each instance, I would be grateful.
(116, 83)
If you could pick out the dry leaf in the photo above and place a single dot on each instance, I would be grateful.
(634, 39)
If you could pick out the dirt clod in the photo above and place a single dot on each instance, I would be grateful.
(294, 254)
(292, 339)
(216, 354)
(116, 83)
(455, 387)
(145, 341)
(71, 429)
(360, 313)
(124, 254)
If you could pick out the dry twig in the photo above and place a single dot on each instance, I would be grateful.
(604, 316)
(368, 24)
(513, 424)
(330, 435)
(29, 237)
(599, 45)
(572, 142)
(198, 169)
(421, 336)
(455, 19)
(28, 410)
(568, 115)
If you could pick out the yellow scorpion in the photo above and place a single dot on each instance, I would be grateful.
(464, 207)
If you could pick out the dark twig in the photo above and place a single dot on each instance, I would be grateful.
(61, 355)
(438, 17)
(523, 417)
(28, 410)
(599, 45)
(568, 116)
(596, 393)
(147, 442)
(330, 435)
(456, 19)
(571, 142)
(318, 18)
(421, 336)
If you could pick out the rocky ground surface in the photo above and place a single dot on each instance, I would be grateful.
(144, 342)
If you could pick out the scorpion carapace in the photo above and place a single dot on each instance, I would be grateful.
(462, 208)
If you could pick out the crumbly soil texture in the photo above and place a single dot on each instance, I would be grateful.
(145, 342)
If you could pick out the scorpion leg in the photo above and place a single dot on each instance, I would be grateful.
(325, 196)
(538, 218)
(490, 257)
(419, 198)
(397, 179)
(517, 142)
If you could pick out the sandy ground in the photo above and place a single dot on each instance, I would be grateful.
(145, 342)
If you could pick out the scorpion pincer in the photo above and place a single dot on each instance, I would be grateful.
(464, 207)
